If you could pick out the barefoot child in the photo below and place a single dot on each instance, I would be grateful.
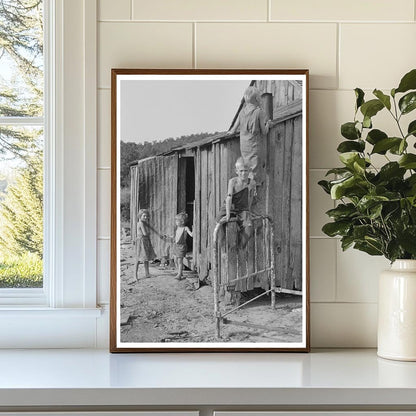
(179, 240)
(253, 127)
(144, 248)
(240, 195)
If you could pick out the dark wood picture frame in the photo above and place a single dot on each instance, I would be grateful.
(274, 260)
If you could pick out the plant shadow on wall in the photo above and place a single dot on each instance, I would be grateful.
(376, 211)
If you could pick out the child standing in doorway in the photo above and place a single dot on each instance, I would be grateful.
(144, 248)
(179, 242)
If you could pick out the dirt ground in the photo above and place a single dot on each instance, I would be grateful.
(163, 309)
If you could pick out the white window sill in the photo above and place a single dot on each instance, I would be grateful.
(36, 312)
(40, 327)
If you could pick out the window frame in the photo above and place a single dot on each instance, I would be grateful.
(69, 292)
(38, 296)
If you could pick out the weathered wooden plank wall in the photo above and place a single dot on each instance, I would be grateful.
(285, 201)
(133, 200)
(283, 92)
(197, 210)
(155, 181)
(296, 205)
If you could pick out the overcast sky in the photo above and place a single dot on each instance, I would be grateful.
(156, 110)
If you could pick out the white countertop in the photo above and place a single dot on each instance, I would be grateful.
(96, 377)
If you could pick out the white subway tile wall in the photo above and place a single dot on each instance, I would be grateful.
(323, 268)
(103, 270)
(200, 10)
(270, 45)
(142, 45)
(352, 10)
(345, 44)
(366, 51)
(114, 10)
(104, 202)
(104, 128)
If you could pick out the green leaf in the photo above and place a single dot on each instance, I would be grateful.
(394, 251)
(359, 94)
(411, 130)
(375, 136)
(408, 82)
(371, 108)
(375, 211)
(325, 186)
(393, 92)
(369, 201)
(349, 131)
(342, 211)
(346, 242)
(385, 99)
(383, 145)
(408, 161)
(349, 146)
(391, 170)
(359, 165)
(338, 171)
(398, 149)
(368, 248)
(333, 229)
(367, 122)
(349, 158)
(408, 102)
(407, 240)
(361, 231)
(338, 190)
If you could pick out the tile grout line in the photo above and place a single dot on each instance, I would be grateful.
(194, 63)
(307, 22)
(355, 302)
(310, 89)
(336, 271)
(338, 63)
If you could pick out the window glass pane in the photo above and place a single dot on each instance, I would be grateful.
(21, 207)
(21, 58)
(21, 210)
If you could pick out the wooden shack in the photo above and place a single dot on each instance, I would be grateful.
(194, 178)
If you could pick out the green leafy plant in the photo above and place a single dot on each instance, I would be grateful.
(376, 210)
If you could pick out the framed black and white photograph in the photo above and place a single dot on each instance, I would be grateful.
(209, 210)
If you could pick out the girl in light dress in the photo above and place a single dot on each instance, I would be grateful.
(144, 249)
(179, 242)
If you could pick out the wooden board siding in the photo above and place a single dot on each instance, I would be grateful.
(155, 181)
(133, 201)
(285, 201)
(197, 211)
(284, 92)
(296, 258)
(203, 226)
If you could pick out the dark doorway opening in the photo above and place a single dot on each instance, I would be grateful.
(186, 192)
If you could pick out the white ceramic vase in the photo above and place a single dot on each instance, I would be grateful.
(397, 312)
